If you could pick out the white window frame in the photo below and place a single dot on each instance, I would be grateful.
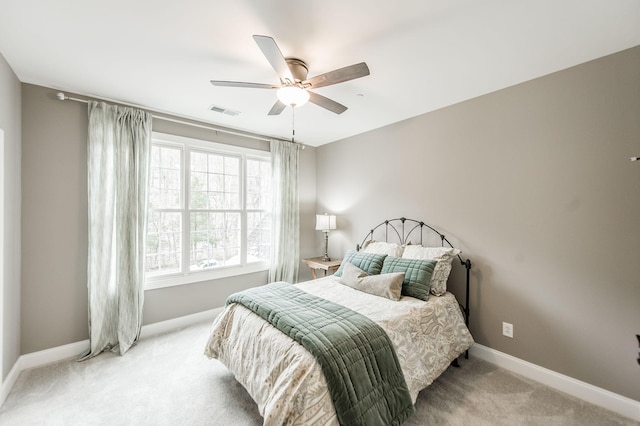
(186, 276)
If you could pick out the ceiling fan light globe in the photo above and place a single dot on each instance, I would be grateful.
(293, 96)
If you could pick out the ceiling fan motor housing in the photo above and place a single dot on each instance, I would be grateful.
(299, 69)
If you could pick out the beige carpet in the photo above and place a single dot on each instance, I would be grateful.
(165, 380)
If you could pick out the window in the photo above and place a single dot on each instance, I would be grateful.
(209, 211)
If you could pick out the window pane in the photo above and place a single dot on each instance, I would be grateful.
(198, 162)
(232, 166)
(232, 201)
(198, 181)
(165, 177)
(258, 184)
(164, 243)
(258, 236)
(215, 240)
(214, 181)
(216, 163)
(215, 200)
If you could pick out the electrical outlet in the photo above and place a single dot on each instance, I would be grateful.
(507, 329)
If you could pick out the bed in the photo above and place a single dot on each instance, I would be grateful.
(289, 384)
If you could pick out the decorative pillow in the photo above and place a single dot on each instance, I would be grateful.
(443, 255)
(381, 247)
(371, 263)
(384, 285)
(417, 274)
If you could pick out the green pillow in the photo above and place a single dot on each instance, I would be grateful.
(371, 263)
(417, 274)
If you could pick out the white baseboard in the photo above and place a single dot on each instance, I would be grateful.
(59, 353)
(601, 397)
(9, 381)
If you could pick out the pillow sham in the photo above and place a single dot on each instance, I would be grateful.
(371, 263)
(382, 247)
(443, 255)
(421, 252)
(417, 274)
(384, 285)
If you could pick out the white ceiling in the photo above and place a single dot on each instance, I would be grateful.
(423, 54)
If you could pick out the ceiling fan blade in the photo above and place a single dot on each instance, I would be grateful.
(272, 52)
(277, 108)
(338, 76)
(243, 84)
(326, 103)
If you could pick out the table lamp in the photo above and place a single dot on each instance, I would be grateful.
(325, 223)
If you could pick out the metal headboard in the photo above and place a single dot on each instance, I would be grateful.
(406, 231)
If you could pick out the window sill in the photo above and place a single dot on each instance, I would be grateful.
(200, 276)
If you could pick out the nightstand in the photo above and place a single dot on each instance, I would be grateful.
(317, 263)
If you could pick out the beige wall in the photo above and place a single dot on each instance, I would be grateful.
(10, 122)
(535, 185)
(54, 220)
(54, 240)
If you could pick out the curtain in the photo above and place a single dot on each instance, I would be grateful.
(118, 163)
(285, 212)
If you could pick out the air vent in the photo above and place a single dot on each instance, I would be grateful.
(222, 110)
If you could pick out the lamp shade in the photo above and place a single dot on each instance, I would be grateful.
(292, 95)
(325, 222)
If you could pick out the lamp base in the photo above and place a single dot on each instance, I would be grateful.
(326, 257)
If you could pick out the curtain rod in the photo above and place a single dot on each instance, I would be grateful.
(63, 97)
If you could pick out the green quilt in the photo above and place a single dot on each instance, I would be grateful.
(356, 356)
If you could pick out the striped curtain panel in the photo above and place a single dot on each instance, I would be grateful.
(118, 163)
(285, 253)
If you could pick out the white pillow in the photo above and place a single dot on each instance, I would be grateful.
(383, 285)
(443, 255)
(381, 247)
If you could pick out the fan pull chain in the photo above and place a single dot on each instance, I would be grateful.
(293, 124)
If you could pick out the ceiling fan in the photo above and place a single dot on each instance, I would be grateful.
(294, 89)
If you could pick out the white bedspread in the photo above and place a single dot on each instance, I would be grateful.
(287, 383)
